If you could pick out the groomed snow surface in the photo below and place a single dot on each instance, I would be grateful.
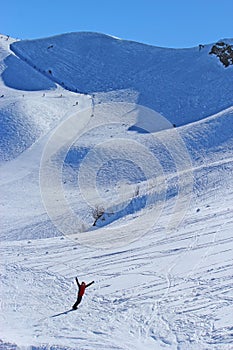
(161, 254)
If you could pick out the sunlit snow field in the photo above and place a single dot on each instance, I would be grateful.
(74, 138)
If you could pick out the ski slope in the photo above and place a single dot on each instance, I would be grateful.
(161, 254)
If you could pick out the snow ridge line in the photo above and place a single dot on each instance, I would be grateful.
(47, 75)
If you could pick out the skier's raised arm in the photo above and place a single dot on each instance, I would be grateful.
(81, 291)
(89, 284)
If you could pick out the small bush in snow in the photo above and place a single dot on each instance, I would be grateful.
(97, 212)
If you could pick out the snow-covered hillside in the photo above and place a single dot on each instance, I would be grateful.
(77, 151)
(183, 85)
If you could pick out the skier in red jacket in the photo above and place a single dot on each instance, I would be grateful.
(81, 291)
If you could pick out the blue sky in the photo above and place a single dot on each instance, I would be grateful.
(167, 23)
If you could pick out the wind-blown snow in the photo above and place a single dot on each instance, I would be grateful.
(167, 288)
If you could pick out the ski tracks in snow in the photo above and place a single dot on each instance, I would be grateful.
(167, 290)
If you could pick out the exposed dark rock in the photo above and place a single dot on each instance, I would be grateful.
(224, 52)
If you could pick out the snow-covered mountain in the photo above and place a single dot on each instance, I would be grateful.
(87, 138)
(183, 85)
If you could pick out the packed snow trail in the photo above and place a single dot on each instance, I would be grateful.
(163, 290)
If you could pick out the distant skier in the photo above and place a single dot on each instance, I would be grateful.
(81, 291)
(201, 47)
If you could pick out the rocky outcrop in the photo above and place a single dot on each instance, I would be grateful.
(224, 52)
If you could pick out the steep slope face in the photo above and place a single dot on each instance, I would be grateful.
(18, 75)
(207, 139)
(30, 103)
(184, 85)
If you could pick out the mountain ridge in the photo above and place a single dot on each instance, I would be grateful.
(91, 63)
